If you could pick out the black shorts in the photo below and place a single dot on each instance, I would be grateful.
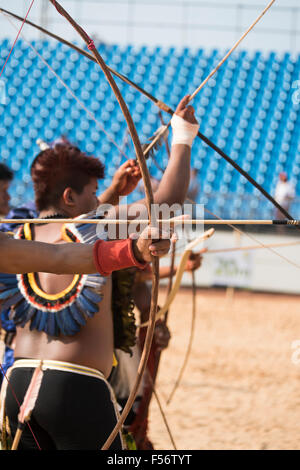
(72, 411)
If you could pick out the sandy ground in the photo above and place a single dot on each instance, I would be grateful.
(240, 389)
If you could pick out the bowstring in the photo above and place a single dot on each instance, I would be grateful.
(17, 37)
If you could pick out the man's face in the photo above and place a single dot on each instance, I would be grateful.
(87, 201)
(283, 177)
(4, 197)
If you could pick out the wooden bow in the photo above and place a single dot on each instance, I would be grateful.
(150, 201)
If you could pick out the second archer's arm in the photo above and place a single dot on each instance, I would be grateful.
(124, 182)
(174, 184)
(193, 263)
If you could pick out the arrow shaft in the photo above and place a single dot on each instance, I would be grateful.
(147, 221)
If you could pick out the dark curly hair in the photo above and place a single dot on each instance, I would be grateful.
(5, 173)
(63, 166)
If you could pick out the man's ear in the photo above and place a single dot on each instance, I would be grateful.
(68, 197)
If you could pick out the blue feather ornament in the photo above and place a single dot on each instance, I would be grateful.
(93, 296)
(88, 307)
(17, 313)
(58, 315)
(77, 314)
(8, 293)
(13, 300)
(70, 324)
(35, 316)
(51, 328)
(43, 321)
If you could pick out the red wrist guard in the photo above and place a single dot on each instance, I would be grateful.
(114, 255)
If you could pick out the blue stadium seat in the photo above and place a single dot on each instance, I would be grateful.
(245, 109)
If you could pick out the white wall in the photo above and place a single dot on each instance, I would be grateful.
(192, 23)
(259, 270)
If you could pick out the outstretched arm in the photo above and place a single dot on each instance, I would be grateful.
(124, 182)
(175, 181)
(22, 256)
(174, 184)
(194, 262)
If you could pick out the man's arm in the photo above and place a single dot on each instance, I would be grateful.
(194, 262)
(22, 256)
(124, 182)
(175, 181)
(292, 191)
(174, 184)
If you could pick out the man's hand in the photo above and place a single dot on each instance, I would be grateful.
(186, 112)
(126, 178)
(152, 241)
(161, 335)
(195, 261)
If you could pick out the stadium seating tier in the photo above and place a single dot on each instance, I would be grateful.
(250, 109)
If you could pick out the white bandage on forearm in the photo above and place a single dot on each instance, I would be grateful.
(183, 131)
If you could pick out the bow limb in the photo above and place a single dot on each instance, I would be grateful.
(190, 342)
(149, 199)
(165, 320)
(170, 283)
(181, 268)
